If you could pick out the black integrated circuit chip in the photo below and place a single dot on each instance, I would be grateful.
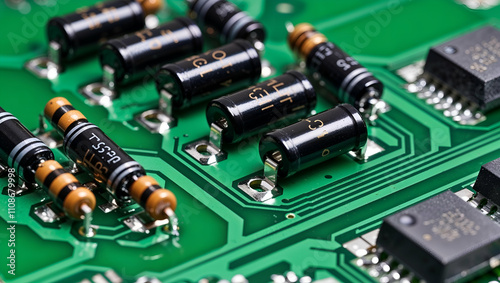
(470, 65)
(488, 181)
(442, 239)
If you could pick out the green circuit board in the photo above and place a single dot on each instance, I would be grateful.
(223, 231)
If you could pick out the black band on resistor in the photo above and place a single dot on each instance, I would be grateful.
(63, 194)
(147, 193)
(52, 175)
(60, 112)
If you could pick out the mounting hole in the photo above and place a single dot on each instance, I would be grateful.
(206, 149)
(42, 64)
(328, 176)
(203, 149)
(96, 90)
(290, 216)
(97, 93)
(256, 184)
(152, 117)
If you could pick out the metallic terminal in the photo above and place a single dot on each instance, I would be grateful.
(347, 78)
(86, 144)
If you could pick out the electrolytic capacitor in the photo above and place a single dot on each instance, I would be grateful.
(223, 18)
(19, 148)
(346, 77)
(130, 55)
(211, 74)
(281, 100)
(64, 188)
(82, 31)
(89, 146)
(313, 140)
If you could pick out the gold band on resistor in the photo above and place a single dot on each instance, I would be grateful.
(64, 188)
(304, 38)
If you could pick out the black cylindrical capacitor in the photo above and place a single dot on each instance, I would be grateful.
(82, 31)
(278, 101)
(345, 76)
(227, 20)
(315, 139)
(132, 54)
(19, 148)
(211, 74)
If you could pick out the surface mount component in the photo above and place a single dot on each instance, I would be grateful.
(469, 65)
(488, 181)
(442, 239)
